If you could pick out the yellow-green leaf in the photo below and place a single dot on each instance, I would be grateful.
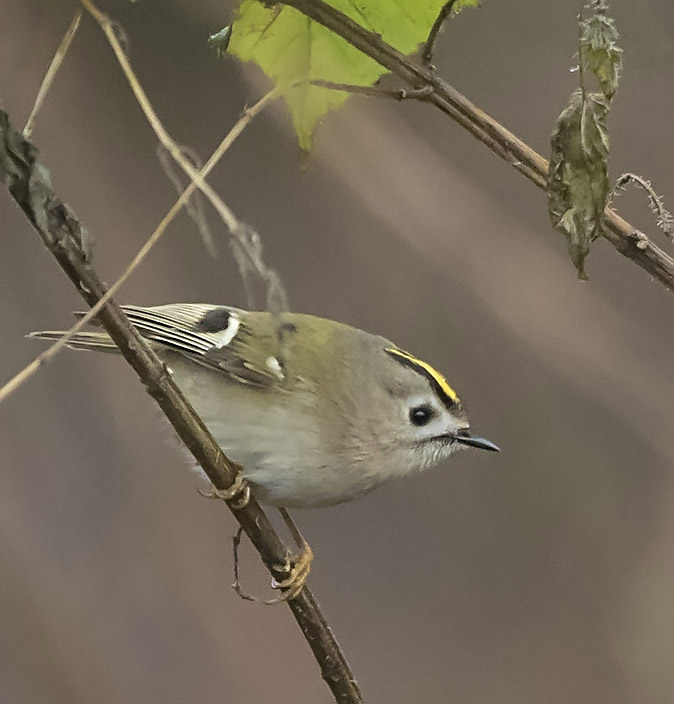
(289, 47)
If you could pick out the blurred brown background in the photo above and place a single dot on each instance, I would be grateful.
(544, 574)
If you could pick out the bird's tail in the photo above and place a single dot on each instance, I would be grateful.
(96, 341)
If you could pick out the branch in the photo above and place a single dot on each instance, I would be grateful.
(29, 185)
(624, 237)
(54, 66)
(372, 91)
(429, 47)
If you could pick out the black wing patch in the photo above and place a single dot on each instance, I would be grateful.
(215, 320)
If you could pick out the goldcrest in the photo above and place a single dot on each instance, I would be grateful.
(315, 411)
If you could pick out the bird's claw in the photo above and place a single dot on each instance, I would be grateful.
(297, 569)
(237, 494)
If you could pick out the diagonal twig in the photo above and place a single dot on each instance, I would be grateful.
(51, 72)
(372, 91)
(429, 47)
(29, 185)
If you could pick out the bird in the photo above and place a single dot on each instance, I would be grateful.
(315, 412)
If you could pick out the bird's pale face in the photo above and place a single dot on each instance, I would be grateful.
(422, 421)
(426, 429)
(417, 429)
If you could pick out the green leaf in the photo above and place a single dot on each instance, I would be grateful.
(599, 51)
(289, 47)
(578, 185)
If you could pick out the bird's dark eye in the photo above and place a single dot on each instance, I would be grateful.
(421, 415)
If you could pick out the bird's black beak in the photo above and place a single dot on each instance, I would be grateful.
(464, 437)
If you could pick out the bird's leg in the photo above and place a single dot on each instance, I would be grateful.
(236, 542)
(297, 567)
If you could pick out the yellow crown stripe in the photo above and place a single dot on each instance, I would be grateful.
(431, 371)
